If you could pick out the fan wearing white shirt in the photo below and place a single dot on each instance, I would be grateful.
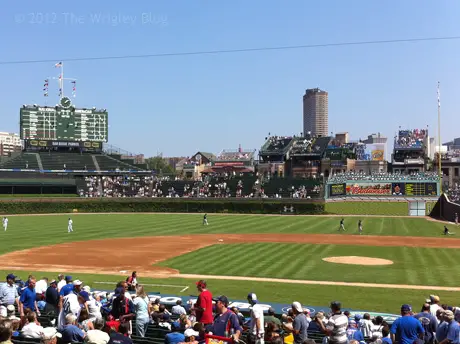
(41, 286)
(256, 326)
(178, 309)
(62, 282)
(32, 329)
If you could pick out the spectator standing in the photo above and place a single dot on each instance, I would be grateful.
(300, 323)
(434, 304)
(336, 327)
(429, 323)
(70, 304)
(365, 325)
(203, 304)
(8, 294)
(143, 309)
(226, 322)
(453, 329)
(256, 326)
(28, 298)
(61, 282)
(406, 329)
(52, 298)
(131, 281)
(41, 286)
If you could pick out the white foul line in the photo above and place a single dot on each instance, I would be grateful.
(183, 289)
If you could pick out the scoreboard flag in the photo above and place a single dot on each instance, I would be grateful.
(56, 123)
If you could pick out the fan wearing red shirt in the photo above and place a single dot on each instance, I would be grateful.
(203, 305)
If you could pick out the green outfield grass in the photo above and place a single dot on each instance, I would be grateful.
(371, 299)
(412, 265)
(32, 231)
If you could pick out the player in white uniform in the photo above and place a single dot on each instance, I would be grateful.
(360, 227)
(5, 223)
(69, 227)
(205, 219)
(456, 219)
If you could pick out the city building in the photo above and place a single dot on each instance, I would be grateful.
(9, 143)
(315, 112)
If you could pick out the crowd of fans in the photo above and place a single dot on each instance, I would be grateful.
(454, 193)
(277, 143)
(411, 138)
(382, 177)
(75, 314)
(232, 156)
(302, 146)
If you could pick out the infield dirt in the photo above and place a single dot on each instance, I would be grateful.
(110, 256)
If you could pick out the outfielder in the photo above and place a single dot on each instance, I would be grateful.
(5, 223)
(446, 231)
(456, 219)
(360, 227)
(342, 226)
(205, 219)
(69, 226)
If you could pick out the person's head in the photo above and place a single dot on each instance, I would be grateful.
(434, 298)
(296, 308)
(271, 311)
(252, 298)
(165, 317)
(31, 317)
(134, 274)
(140, 292)
(425, 307)
(70, 319)
(10, 310)
(84, 315)
(60, 277)
(191, 335)
(10, 279)
(448, 316)
(385, 331)
(336, 306)
(272, 327)
(124, 328)
(32, 282)
(50, 335)
(319, 316)
(179, 302)
(53, 284)
(6, 330)
(83, 297)
(201, 285)
(378, 320)
(68, 279)
(347, 314)
(161, 308)
(366, 316)
(439, 314)
(183, 318)
(221, 304)
(99, 324)
(406, 310)
(77, 285)
(175, 326)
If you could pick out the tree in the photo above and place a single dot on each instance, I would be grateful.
(160, 165)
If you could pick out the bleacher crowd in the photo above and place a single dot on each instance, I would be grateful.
(411, 138)
(68, 311)
(382, 177)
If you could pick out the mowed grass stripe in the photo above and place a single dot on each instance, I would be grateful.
(412, 265)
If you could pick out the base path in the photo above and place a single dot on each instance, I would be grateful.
(111, 256)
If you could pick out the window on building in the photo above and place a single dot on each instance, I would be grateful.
(456, 172)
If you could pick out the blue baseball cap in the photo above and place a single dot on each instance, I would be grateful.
(84, 295)
(119, 291)
(11, 277)
(68, 278)
(252, 297)
(406, 308)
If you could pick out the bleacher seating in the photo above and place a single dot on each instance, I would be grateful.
(24, 160)
(276, 144)
(109, 163)
(71, 161)
(285, 186)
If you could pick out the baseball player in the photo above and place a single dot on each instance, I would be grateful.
(5, 223)
(360, 227)
(342, 226)
(69, 226)
(205, 219)
(456, 219)
(446, 231)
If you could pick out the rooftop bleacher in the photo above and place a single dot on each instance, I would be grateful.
(276, 145)
(413, 139)
(235, 155)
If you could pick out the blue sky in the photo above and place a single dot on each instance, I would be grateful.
(180, 104)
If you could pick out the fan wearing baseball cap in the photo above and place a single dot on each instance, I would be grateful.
(406, 329)
(226, 323)
(8, 294)
(203, 306)
(256, 326)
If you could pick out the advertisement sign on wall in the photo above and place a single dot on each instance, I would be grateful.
(369, 189)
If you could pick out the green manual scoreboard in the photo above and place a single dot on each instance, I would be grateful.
(63, 122)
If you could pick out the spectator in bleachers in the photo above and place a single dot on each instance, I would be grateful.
(6, 331)
(52, 298)
(70, 331)
(300, 323)
(8, 294)
(406, 329)
(226, 322)
(120, 336)
(336, 327)
(143, 309)
(174, 337)
(28, 298)
(97, 336)
(178, 309)
(32, 329)
(84, 321)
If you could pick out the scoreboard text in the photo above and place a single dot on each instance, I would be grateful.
(55, 123)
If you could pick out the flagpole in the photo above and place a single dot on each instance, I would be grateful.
(439, 150)
(62, 80)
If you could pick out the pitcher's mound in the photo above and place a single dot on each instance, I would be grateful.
(355, 260)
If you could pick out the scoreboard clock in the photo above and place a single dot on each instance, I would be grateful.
(63, 122)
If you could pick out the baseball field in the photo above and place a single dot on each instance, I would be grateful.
(282, 258)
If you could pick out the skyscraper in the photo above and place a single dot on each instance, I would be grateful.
(315, 112)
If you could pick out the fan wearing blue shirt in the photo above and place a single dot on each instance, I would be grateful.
(406, 329)
(453, 329)
(175, 336)
(28, 298)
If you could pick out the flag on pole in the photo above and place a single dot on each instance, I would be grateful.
(58, 65)
(439, 101)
